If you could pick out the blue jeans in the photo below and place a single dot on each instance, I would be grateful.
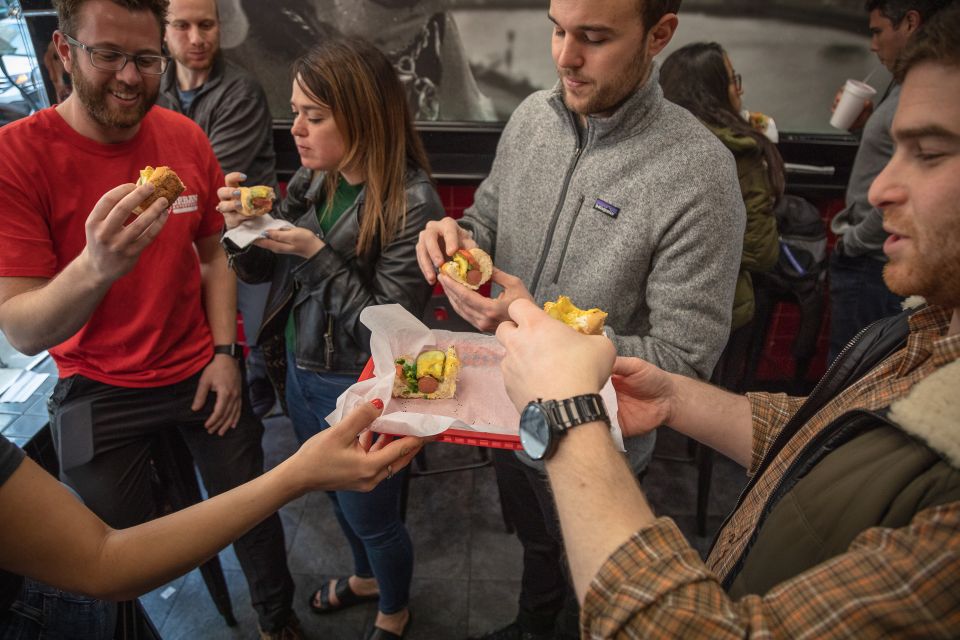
(45, 612)
(371, 521)
(858, 296)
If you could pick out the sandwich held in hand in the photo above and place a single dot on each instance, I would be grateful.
(256, 201)
(588, 321)
(471, 267)
(166, 184)
(432, 375)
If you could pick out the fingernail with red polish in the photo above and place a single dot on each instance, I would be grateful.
(378, 403)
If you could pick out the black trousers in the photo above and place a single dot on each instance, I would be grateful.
(103, 436)
(548, 602)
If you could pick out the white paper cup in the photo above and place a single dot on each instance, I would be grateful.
(851, 103)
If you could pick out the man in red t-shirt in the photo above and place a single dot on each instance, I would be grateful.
(139, 312)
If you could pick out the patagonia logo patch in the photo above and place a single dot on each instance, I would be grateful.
(606, 208)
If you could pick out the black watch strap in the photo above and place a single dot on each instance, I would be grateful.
(566, 414)
(234, 350)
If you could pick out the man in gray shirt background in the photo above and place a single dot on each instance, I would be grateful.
(231, 108)
(858, 294)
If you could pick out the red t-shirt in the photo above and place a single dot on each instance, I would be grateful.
(150, 329)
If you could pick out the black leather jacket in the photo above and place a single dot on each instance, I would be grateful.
(329, 290)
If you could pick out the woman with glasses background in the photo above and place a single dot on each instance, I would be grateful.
(701, 78)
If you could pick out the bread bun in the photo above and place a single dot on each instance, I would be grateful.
(166, 184)
(440, 367)
(588, 321)
(466, 263)
(256, 201)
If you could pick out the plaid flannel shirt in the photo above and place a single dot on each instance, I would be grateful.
(890, 582)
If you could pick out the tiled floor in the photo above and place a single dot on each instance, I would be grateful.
(467, 571)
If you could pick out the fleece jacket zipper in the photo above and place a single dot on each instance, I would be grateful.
(535, 281)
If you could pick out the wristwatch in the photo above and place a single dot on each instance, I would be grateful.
(543, 422)
(234, 350)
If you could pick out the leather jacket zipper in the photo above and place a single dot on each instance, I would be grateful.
(273, 314)
(328, 350)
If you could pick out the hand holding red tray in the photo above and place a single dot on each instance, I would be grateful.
(481, 414)
(459, 436)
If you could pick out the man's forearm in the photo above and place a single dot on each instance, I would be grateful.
(598, 500)
(719, 419)
(38, 314)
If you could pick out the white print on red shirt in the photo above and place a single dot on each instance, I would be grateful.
(186, 204)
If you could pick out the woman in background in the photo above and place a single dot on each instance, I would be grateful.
(358, 203)
(701, 78)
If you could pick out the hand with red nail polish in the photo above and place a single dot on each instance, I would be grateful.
(349, 456)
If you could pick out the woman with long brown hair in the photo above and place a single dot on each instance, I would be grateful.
(358, 203)
(701, 78)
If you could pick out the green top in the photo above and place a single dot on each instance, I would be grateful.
(344, 197)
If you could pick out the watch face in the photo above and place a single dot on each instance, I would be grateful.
(535, 434)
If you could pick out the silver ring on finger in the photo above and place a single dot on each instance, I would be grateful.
(389, 472)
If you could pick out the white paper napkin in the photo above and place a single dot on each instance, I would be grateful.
(481, 403)
(249, 230)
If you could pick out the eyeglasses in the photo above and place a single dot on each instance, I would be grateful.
(737, 81)
(109, 60)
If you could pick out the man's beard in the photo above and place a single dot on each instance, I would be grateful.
(94, 100)
(933, 272)
(611, 96)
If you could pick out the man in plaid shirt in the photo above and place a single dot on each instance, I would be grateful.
(850, 526)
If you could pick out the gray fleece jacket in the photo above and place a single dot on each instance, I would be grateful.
(640, 214)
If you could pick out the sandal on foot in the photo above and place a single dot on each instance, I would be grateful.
(345, 596)
(378, 633)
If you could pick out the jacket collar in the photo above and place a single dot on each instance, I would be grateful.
(168, 84)
(931, 411)
(636, 113)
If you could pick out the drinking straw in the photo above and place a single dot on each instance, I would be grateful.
(870, 75)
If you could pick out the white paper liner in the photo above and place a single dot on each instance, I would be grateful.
(481, 403)
(249, 230)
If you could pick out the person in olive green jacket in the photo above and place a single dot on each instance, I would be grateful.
(700, 78)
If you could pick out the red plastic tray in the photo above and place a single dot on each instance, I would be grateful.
(459, 436)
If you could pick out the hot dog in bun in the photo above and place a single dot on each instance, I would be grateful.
(588, 321)
(432, 375)
(470, 267)
(256, 201)
(166, 184)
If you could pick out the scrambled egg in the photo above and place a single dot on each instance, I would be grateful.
(565, 311)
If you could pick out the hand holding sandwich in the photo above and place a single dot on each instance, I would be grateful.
(547, 359)
(39, 313)
(238, 204)
(438, 242)
(112, 247)
(482, 312)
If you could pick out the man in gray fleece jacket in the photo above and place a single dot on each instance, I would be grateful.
(603, 191)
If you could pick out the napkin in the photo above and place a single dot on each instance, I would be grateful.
(249, 230)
